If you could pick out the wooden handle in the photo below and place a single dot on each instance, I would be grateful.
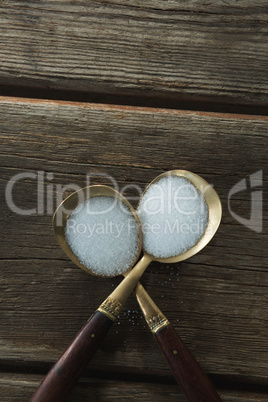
(186, 370)
(66, 371)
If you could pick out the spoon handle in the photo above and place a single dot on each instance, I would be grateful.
(187, 372)
(63, 375)
(67, 370)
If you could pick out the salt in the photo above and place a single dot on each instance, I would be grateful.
(174, 216)
(103, 234)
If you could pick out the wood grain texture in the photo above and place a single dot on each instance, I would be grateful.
(217, 301)
(177, 50)
(19, 388)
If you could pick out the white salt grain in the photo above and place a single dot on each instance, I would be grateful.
(174, 216)
(103, 234)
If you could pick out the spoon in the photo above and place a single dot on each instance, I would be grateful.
(186, 370)
(62, 376)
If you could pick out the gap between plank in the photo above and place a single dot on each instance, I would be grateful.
(234, 383)
(163, 101)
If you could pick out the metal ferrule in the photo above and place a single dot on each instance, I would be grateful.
(111, 308)
(157, 322)
(153, 315)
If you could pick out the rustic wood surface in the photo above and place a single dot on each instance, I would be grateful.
(217, 301)
(206, 56)
(20, 387)
(207, 51)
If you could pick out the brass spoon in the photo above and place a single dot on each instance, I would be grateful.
(186, 370)
(62, 376)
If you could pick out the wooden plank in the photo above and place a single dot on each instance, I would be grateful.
(176, 50)
(20, 387)
(216, 300)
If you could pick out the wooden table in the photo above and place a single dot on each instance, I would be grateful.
(131, 89)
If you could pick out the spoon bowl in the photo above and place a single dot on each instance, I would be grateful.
(214, 212)
(65, 209)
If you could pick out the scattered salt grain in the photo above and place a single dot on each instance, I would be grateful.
(174, 216)
(103, 234)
